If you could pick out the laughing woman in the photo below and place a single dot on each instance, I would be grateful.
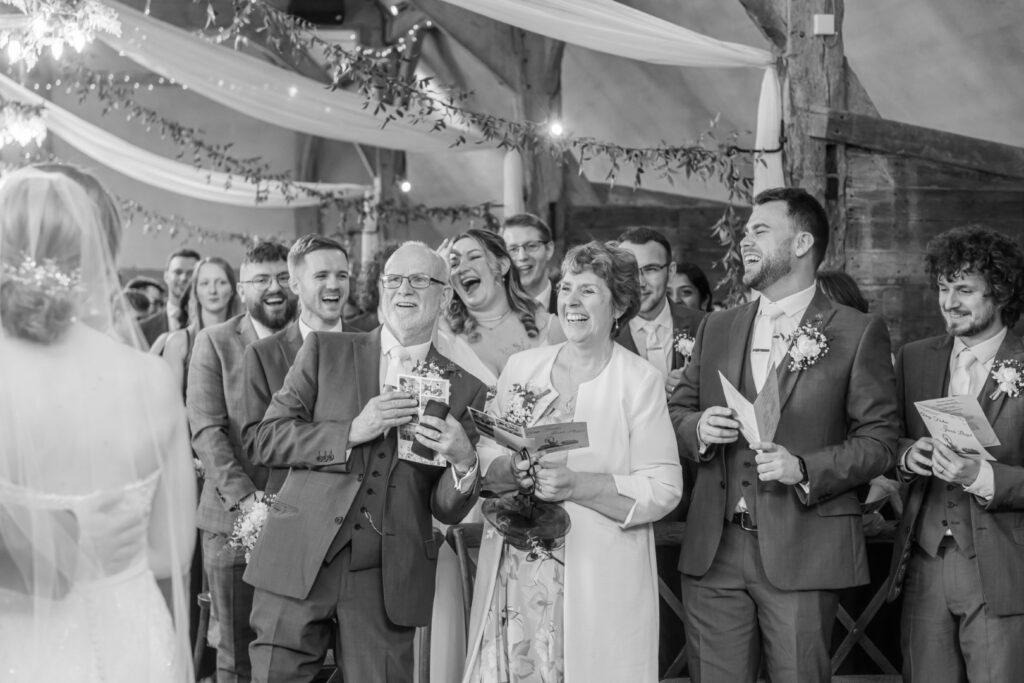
(588, 611)
(491, 316)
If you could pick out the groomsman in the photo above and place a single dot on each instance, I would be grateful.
(177, 275)
(311, 260)
(529, 243)
(233, 483)
(960, 547)
(349, 537)
(774, 527)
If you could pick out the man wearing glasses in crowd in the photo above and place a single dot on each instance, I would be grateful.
(528, 240)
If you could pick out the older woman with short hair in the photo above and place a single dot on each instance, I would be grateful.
(606, 592)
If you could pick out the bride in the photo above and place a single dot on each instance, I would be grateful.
(97, 494)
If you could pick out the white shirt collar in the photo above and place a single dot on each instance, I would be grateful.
(663, 319)
(417, 352)
(794, 305)
(262, 331)
(985, 352)
(545, 294)
(305, 329)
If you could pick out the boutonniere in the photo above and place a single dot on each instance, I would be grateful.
(806, 346)
(248, 525)
(432, 370)
(683, 344)
(1009, 377)
(521, 402)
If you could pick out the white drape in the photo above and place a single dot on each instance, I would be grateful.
(614, 28)
(160, 171)
(265, 91)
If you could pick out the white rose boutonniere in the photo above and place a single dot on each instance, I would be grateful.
(807, 345)
(683, 344)
(1009, 376)
(521, 402)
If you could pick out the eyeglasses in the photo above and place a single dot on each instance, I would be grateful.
(652, 270)
(416, 281)
(531, 248)
(263, 281)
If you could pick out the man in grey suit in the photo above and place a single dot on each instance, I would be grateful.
(959, 555)
(348, 539)
(267, 360)
(233, 483)
(774, 527)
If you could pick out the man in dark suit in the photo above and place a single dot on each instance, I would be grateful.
(233, 483)
(529, 243)
(960, 546)
(177, 275)
(349, 537)
(774, 526)
(312, 260)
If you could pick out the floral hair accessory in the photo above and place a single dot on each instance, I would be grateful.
(46, 278)
(431, 370)
(522, 400)
(806, 346)
(1009, 377)
(683, 344)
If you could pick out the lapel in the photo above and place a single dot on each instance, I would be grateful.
(290, 342)
(1010, 348)
(739, 333)
(933, 384)
(819, 313)
(245, 330)
(366, 351)
(543, 384)
(684, 321)
(625, 338)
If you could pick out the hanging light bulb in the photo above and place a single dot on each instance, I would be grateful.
(556, 129)
(14, 50)
(57, 49)
(405, 186)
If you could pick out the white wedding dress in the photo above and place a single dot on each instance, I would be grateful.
(106, 627)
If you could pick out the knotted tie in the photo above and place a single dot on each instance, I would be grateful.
(767, 346)
(399, 363)
(960, 382)
(651, 344)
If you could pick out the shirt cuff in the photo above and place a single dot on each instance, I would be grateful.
(805, 486)
(464, 484)
(984, 486)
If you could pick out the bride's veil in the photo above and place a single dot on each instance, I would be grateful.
(96, 483)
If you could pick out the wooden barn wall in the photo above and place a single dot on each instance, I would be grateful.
(688, 230)
(894, 205)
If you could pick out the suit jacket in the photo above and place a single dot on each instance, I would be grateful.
(214, 400)
(839, 415)
(265, 366)
(306, 429)
(553, 298)
(154, 326)
(922, 372)
(684, 320)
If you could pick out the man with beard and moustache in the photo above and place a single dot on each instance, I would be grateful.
(233, 483)
(959, 552)
(319, 269)
(774, 527)
(528, 240)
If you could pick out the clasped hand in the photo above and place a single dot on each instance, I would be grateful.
(389, 409)
(928, 457)
(548, 475)
(448, 439)
(776, 463)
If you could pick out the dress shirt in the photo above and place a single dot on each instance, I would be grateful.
(171, 311)
(305, 329)
(545, 294)
(984, 486)
(262, 331)
(418, 353)
(653, 338)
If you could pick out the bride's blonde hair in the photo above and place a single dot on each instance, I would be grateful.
(44, 220)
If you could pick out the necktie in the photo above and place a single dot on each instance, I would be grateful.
(766, 349)
(960, 382)
(399, 363)
(655, 352)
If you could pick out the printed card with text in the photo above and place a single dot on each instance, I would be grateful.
(424, 388)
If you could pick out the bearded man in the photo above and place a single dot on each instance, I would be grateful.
(233, 483)
(774, 525)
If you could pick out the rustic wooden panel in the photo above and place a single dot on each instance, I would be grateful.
(870, 170)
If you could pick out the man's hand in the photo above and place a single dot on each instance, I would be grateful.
(776, 463)
(672, 381)
(381, 413)
(919, 457)
(956, 469)
(717, 426)
(883, 487)
(249, 501)
(447, 438)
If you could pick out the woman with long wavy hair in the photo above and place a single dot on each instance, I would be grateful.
(491, 316)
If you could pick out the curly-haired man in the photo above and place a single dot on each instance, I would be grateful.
(960, 548)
